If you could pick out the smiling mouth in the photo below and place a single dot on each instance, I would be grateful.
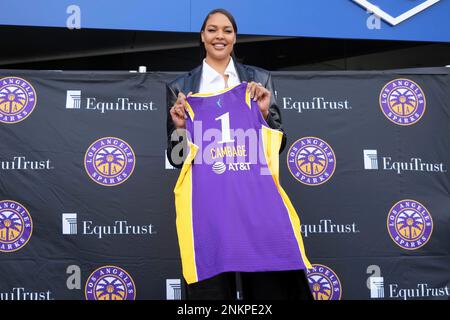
(219, 46)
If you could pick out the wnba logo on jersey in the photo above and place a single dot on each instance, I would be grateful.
(109, 161)
(311, 161)
(324, 283)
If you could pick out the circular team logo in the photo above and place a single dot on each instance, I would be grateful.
(311, 161)
(16, 226)
(110, 283)
(410, 224)
(403, 102)
(219, 167)
(109, 161)
(324, 283)
(17, 99)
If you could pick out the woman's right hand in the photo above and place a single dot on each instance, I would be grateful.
(178, 111)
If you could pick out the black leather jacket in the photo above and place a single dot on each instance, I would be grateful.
(190, 82)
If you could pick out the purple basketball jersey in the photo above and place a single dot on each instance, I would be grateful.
(232, 214)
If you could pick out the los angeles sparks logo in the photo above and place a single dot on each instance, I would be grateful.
(402, 102)
(311, 161)
(16, 226)
(109, 161)
(17, 99)
(324, 283)
(110, 283)
(409, 224)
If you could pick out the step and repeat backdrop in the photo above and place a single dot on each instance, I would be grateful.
(86, 192)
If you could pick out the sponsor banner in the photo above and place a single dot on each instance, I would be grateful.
(86, 189)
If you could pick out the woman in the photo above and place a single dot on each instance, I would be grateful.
(219, 70)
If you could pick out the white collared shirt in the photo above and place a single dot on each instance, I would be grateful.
(213, 81)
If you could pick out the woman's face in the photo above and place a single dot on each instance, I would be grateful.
(218, 37)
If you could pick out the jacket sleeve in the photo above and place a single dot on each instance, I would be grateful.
(175, 154)
(274, 117)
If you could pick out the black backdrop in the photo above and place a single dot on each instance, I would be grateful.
(129, 227)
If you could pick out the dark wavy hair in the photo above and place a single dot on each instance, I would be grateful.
(233, 23)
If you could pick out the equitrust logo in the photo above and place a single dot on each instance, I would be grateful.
(316, 104)
(21, 293)
(173, 289)
(329, 227)
(22, 162)
(375, 161)
(380, 288)
(73, 226)
(75, 100)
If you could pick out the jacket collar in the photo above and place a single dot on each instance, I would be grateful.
(244, 72)
(192, 83)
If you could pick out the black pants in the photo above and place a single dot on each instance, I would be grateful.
(274, 285)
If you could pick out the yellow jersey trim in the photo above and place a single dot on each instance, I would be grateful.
(248, 99)
(183, 205)
(271, 142)
(190, 110)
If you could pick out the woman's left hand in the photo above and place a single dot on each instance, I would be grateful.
(261, 95)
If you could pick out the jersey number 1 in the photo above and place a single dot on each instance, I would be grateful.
(226, 133)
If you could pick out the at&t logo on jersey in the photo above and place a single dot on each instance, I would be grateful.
(110, 283)
(109, 161)
(324, 283)
(17, 99)
(403, 102)
(409, 224)
(311, 161)
(219, 167)
(16, 226)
